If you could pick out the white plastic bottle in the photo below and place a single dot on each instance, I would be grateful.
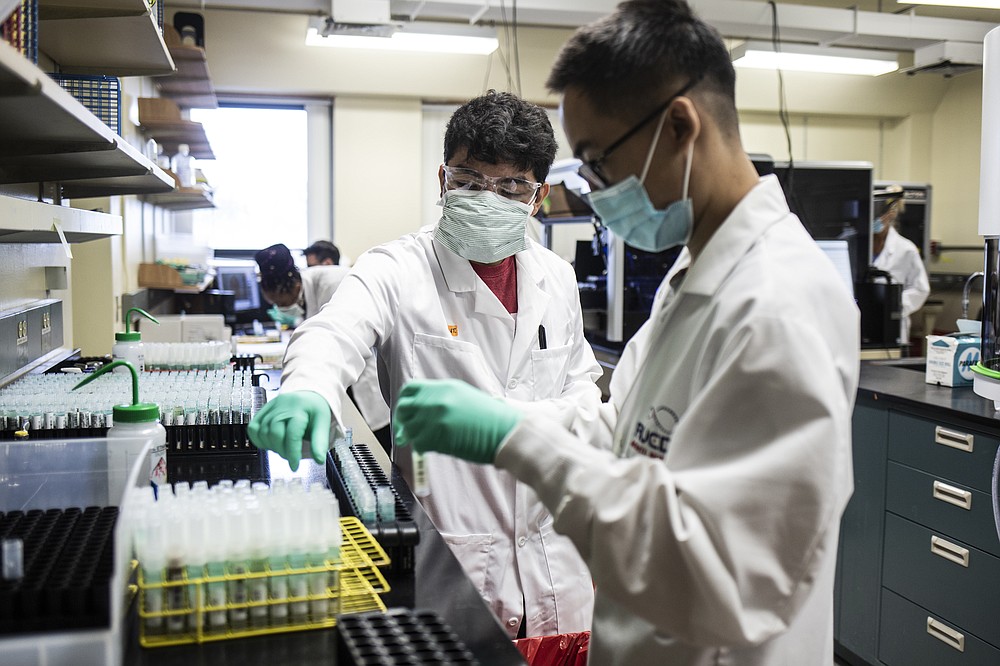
(140, 420)
(183, 166)
(128, 345)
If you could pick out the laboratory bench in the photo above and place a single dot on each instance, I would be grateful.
(438, 583)
(918, 570)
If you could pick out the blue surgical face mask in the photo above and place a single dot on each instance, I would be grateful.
(626, 210)
(878, 226)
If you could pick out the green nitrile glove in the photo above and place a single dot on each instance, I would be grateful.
(284, 422)
(280, 317)
(449, 416)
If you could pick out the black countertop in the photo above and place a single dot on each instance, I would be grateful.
(902, 384)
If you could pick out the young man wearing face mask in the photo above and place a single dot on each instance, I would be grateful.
(711, 524)
(472, 299)
(297, 295)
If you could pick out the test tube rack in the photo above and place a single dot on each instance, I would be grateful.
(399, 637)
(68, 561)
(397, 536)
(356, 584)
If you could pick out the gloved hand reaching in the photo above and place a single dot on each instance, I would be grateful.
(449, 416)
(283, 423)
(280, 317)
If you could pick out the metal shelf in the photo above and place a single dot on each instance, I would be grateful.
(76, 9)
(171, 133)
(112, 45)
(191, 86)
(47, 136)
(23, 221)
(185, 198)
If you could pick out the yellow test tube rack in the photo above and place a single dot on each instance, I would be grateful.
(177, 612)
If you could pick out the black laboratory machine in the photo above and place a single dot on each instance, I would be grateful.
(832, 199)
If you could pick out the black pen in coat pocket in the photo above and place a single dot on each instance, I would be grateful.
(541, 337)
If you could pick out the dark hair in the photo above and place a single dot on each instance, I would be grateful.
(627, 62)
(501, 128)
(323, 250)
(278, 272)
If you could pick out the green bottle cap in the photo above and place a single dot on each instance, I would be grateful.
(128, 337)
(137, 412)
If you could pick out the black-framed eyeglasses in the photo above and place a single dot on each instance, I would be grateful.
(518, 189)
(593, 170)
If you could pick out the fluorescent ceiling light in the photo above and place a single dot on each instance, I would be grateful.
(417, 36)
(806, 58)
(977, 4)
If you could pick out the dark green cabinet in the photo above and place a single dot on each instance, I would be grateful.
(859, 562)
(918, 571)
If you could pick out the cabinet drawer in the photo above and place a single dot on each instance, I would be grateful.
(950, 509)
(926, 568)
(906, 639)
(954, 452)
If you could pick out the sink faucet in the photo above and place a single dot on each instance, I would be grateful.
(965, 293)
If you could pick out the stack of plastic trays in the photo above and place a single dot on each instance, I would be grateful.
(68, 561)
(365, 492)
(399, 637)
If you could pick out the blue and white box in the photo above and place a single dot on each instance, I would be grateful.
(950, 359)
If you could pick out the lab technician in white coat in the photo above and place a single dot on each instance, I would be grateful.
(470, 298)
(898, 256)
(711, 526)
(295, 296)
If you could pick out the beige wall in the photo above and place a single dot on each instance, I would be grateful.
(919, 128)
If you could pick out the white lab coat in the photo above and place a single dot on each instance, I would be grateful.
(430, 316)
(900, 258)
(711, 529)
(318, 286)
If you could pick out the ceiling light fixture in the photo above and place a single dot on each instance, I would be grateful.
(421, 36)
(975, 4)
(807, 58)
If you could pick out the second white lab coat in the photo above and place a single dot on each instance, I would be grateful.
(900, 258)
(319, 283)
(711, 527)
(430, 316)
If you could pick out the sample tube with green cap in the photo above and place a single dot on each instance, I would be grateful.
(128, 345)
(140, 420)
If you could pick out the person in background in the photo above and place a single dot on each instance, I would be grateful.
(297, 295)
(711, 525)
(898, 256)
(469, 298)
(322, 253)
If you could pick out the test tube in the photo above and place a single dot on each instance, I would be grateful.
(420, 483)
(386, 500)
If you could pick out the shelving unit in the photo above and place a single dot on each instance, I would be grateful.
(48, 137)
(113, 37)
(24, 221)
(191, 86)
(183, 198)
(171, 133)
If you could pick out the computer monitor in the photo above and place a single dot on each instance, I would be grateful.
(241, 279)
(839, 253)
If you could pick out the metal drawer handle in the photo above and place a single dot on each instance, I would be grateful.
(956, 440)
(946, 634)
(952, 495)
(950, 551)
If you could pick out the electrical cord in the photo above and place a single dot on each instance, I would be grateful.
(783, 116)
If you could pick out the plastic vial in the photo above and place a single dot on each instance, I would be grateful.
(13, 559)
(183, 166)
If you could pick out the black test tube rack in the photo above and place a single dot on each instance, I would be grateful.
(399, 637)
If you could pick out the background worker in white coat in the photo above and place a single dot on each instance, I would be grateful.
(898, 256)
(297, 295)
(473, 299)
(711, 526)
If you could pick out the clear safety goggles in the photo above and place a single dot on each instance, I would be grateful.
(516, 189)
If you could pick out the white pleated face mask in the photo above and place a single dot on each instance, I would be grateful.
(482, 226)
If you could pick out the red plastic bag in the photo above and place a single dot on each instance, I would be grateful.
(556, 650)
